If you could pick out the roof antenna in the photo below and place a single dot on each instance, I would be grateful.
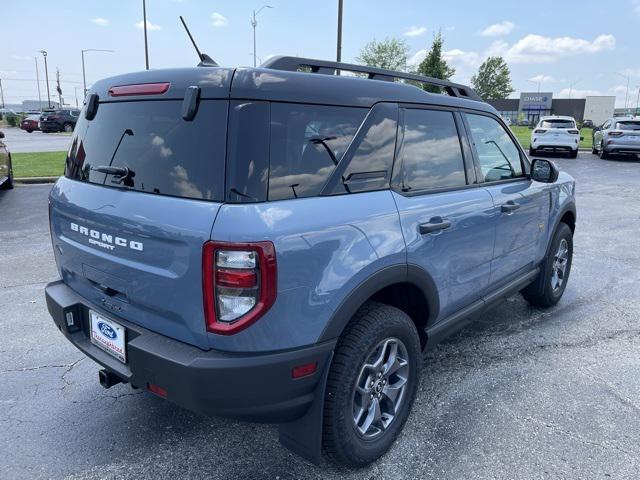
(205, 60)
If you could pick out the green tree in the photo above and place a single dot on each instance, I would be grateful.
(493, 79)
(391, 54)
(434, 65)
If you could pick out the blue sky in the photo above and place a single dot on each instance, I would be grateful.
(559, 42)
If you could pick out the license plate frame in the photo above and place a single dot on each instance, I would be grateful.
(108, 336)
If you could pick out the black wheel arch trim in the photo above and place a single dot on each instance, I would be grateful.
(401, 273)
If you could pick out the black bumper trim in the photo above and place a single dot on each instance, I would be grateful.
(254, 387)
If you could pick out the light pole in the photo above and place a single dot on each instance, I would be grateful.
(626, 97)
(637, 102)
(536, 83)
(46, 73)
(144, 25)
(38, 83)
(339, 45)
(254, 24)
(573, 85)
(84, 76)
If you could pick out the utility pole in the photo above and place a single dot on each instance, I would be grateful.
(46, 72)
(637, 103)
(58, 89)
(573, 85)
(144, 24)
(254, 24)
(84, 75)
(339, 45)
(626, 96)
(1, 94)
(38, 83)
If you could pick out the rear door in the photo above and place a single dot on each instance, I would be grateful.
(130, 240)
(446, 219)
(520, 205)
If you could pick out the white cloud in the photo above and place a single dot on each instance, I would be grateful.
(416, 58)
(415, 31)
(577, 93)
(542, 79)
(219, 20)
(151, 27)
(498, 29)
(102, 22)
(540, 49)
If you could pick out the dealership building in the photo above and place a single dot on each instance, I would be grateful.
(531, 106)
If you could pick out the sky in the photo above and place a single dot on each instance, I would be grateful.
(569, 47)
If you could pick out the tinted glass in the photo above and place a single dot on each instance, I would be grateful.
(558, 124)
(498, 155)
(431, 154)
(370, 165)
(629, 125)
(307, 142)
(163, 153)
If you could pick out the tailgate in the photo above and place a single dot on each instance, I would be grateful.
(141, 191)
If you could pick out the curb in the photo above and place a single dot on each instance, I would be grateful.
(35, 180)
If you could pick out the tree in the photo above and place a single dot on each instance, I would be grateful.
(434, 65)
(493, 79)
(390, 54)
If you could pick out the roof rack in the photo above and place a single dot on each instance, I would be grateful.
(294, 64)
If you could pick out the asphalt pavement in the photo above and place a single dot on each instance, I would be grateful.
(522, 393)
(20, 141)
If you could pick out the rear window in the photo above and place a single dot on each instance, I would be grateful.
(631, 125)
(155, 150)
(307, 142)
(558, 124)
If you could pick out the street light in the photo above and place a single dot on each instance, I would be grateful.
(84, 77)
(46, 73)
(254, 24)
(536, 83)
(626, 97)
(637, 103)
(38, 83)
(573, 85)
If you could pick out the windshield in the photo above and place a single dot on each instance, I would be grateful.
(630, 125)
(148, 147)
(558, 124)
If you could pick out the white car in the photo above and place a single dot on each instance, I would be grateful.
(556, 134)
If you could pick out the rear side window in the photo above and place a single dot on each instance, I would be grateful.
(430, 153)
(155, 150)
(498, 155)
(306, 144)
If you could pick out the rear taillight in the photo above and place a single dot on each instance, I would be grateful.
(239, 284)
(574, 132)
(539, 130)
(615, 134)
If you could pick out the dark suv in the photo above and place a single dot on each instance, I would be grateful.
(280, 245)
(63, 120)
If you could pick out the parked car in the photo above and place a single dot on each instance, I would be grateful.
(619, 135)
(280, 246)
(523, 123)
(63, 120)
(6, 167)
(587, 124)
(507, 121)
(30, 123)
(556, 134)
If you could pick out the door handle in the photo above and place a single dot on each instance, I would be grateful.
(430, 227)
(509, 207)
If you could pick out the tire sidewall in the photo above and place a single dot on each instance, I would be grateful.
(363, 451)
(563, 232)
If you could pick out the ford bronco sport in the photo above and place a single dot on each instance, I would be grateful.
(281, 244)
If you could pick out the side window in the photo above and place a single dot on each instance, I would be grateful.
(307, 142)
(498, 155)
(430, 154)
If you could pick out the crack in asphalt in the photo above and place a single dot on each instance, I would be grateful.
(68, 366)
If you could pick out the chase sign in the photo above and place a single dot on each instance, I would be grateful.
(535, 101)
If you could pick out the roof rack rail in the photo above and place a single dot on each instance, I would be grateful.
(293, 64)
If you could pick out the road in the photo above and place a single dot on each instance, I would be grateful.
(20, 141)
(522, 393)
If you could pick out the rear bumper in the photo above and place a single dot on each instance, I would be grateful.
(555, 146)
(622, 148)
(249, 387)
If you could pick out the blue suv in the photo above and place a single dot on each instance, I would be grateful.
(282, 244)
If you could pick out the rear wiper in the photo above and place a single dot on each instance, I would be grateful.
(115, 171)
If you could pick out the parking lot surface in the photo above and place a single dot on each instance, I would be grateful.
(20, 141)
(522, 393)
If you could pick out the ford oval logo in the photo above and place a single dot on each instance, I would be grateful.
(107, 331)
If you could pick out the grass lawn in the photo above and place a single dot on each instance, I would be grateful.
(40, 164)
(524, 136)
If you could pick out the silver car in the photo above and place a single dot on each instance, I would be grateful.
(617, 135)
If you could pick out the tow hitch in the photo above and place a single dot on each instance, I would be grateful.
(108, 379)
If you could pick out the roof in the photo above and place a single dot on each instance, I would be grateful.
(557, 117)
(279, 85)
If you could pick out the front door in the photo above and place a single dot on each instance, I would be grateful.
(446, 218)
(521, 206)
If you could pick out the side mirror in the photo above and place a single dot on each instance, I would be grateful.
(1, 135)
(544, 171)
